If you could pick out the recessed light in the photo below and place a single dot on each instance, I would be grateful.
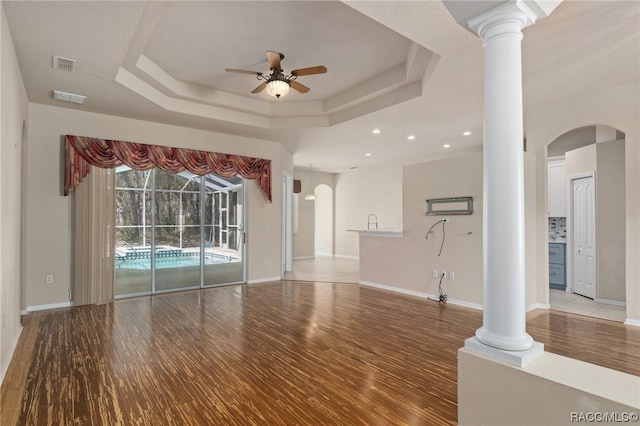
(376, 131)
(467, 133)
(411, 137)
(446, 145)
(368, 154)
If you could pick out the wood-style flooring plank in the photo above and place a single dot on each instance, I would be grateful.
(16, 376)
(282, 353)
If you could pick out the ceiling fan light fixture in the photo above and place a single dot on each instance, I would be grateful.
(278, 88)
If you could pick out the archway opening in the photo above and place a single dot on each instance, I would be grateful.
(586, 222)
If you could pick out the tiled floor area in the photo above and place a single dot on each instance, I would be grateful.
(569, 302)
(325, 268)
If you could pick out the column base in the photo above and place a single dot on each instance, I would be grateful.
(500, 342)
(517, 358)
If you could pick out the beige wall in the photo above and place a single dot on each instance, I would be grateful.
(581, 160)
(407, 263)
(617, 107)
(324, 215)
(360, 193)
(48, 215)
(610, 206)
(13, 113)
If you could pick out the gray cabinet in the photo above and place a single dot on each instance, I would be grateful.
(557, 266)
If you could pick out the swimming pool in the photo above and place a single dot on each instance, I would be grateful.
(169, 262)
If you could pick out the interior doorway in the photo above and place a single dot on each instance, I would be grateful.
(587, 222)
(313, 232)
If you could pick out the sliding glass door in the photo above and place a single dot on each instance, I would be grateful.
(225, 242)
(133, 232)
(193, 238)
(177, 231)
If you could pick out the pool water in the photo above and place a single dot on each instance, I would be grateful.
(168, 262)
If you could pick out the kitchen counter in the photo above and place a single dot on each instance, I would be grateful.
(380, 232)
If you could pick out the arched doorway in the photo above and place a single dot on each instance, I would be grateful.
(314, 233)
(587, 238)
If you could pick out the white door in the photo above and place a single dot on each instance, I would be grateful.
(584, 236)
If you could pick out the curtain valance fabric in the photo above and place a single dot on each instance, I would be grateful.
(83, 152)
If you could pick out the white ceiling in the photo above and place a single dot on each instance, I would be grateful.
(405, 67)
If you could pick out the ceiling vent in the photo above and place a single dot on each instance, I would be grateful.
(69, 97)
(64, 64)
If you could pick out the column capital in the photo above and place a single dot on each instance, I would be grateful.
(513, 13)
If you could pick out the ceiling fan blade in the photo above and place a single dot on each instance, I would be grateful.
(274, 59)
(320, 69)
(299, 87)
(243, 71)
(260, 88)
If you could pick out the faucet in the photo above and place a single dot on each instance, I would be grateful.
(369, 223)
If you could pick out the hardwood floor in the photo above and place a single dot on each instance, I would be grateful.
(282, 353)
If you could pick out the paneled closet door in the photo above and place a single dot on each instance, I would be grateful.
(584, 236)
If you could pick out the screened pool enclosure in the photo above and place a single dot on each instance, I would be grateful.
(176, 231)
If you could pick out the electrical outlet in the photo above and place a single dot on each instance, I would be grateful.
(452, 275)
(443, 274)
(49, 279)
(434, 274)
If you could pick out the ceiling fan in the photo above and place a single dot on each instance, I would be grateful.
(277, 83)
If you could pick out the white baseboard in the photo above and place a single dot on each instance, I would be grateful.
(538, 306)
(50, 306)
(420, 294)
(263, 280)
(611, 302)
(464, 303)
(631, 321)
(344, 256)
(10, 353)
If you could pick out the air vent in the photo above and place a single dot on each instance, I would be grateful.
(64, 64)
(69, 97)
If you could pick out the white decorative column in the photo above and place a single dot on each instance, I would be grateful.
(504, 313)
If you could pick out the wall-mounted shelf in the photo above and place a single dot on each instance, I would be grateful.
(449, 206)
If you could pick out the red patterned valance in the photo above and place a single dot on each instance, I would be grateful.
(83, 152)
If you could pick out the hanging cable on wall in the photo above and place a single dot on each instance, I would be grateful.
(443, 221)
(442, 298)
